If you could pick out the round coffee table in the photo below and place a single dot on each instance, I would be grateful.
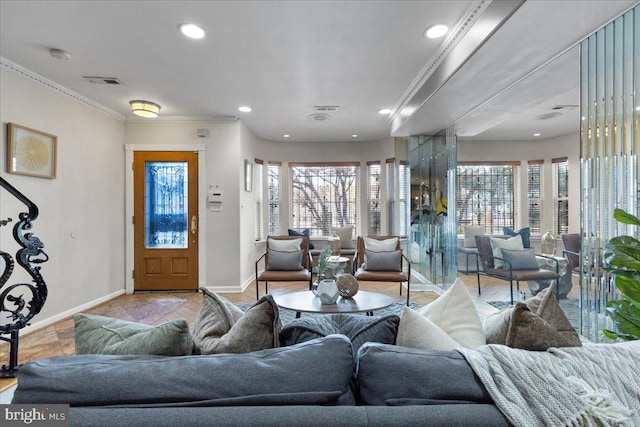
(307, 302)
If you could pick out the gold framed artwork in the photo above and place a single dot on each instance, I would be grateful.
(31, 152)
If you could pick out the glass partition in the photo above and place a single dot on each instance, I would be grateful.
(432, 237)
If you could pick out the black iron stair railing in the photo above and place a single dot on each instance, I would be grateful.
(20, 302)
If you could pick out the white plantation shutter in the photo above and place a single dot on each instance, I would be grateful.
(535, 195)
(391, 195)
(258, 195)
(274, 190)
(374, 197)
(404, 197)
(560, 195)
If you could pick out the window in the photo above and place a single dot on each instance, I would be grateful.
(487, 194)
(535, 195)
(274, 188)
(560, 195)
(391, 194)
(373, 197)
(258, 194)
(404, 197)
(323, 196)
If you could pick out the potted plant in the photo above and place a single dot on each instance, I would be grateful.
(622, 260)
(323, 261)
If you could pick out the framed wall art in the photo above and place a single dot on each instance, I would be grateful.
(31, 152)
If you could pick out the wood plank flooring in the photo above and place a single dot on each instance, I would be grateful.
(157, 308)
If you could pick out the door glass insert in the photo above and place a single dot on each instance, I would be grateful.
(166, 202)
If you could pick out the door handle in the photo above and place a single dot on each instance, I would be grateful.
(194, 224)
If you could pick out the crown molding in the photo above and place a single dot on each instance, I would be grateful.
(182, 119)
(27, 74)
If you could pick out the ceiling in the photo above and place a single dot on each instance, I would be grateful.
(284, 58)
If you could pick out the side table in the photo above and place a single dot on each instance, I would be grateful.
(336, 267)
(564, 283)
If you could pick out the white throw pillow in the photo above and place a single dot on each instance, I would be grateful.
(470, 233)
(453, 313)
(346, 236)
(375, 245)
(497, 244)
(287, 245)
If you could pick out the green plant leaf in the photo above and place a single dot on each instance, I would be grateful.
(617, 258)
(625, 316)
(614, 335)
(629, 287)
(626, 218)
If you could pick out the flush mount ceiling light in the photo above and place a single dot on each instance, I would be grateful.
(191, 30)
(145, 108)
(436, 31)
(384, 111)
(60, 54)
(245, 109)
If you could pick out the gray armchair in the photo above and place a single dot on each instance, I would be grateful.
(273, 274)
(507, 272)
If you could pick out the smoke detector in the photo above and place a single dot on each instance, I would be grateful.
(319, 117)
(60, 54)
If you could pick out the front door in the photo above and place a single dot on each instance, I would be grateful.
(165, 221)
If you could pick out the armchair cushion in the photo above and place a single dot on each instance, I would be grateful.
(383, 261)
(525, 233)
(346, 236)
(221, 327)
(470, 233)
(284, 261)
(497, 244)
(376, 245)
(304, 233)
(520, 259)
(286, 245)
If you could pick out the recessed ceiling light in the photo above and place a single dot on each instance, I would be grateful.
(584, 118)
(286, 135)
(536, 134)
(638, 108)
(355, 135)
(436, 31)
(384, 111)
(245, 109)
(192, 31)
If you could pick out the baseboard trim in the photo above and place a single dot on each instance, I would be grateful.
(61, 316)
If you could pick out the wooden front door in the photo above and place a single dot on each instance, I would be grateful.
(165, 221)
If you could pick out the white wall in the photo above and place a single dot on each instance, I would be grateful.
(544, 149)
(81, 219)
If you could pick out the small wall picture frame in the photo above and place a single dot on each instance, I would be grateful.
(31, 152)
(248, 175)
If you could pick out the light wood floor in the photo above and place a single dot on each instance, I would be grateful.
(156, 308)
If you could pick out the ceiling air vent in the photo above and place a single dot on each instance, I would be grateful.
(548, 116)
(321, 108)
(102, 80)
(565, 107)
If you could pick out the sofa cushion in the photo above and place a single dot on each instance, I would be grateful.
(382, 261)
(313, 372)
(520, 259)
(346, 236)
(221, 327)
(470, 233)
(305, 233)
(284, 261)
(104, 335)
(525, 233)
(394, 375)
(449, 322)
(359, 329)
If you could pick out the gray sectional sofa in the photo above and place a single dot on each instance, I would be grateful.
(313, 383)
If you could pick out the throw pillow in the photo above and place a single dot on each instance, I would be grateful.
(359, 329)
(103, 335)
(284, 261)
(220, 327)
(285, 245)
(528, 331)
(453, 314)
(520, 259)
(305, 233)
(497, 244)
(525, 233)
(470, 233)
(383, 261)
(384, 245)
(346, 236)
(550, 311)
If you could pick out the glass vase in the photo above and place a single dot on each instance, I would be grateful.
(334, 244)
(548, 244)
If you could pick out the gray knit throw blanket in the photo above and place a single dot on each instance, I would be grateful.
(593, 385)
